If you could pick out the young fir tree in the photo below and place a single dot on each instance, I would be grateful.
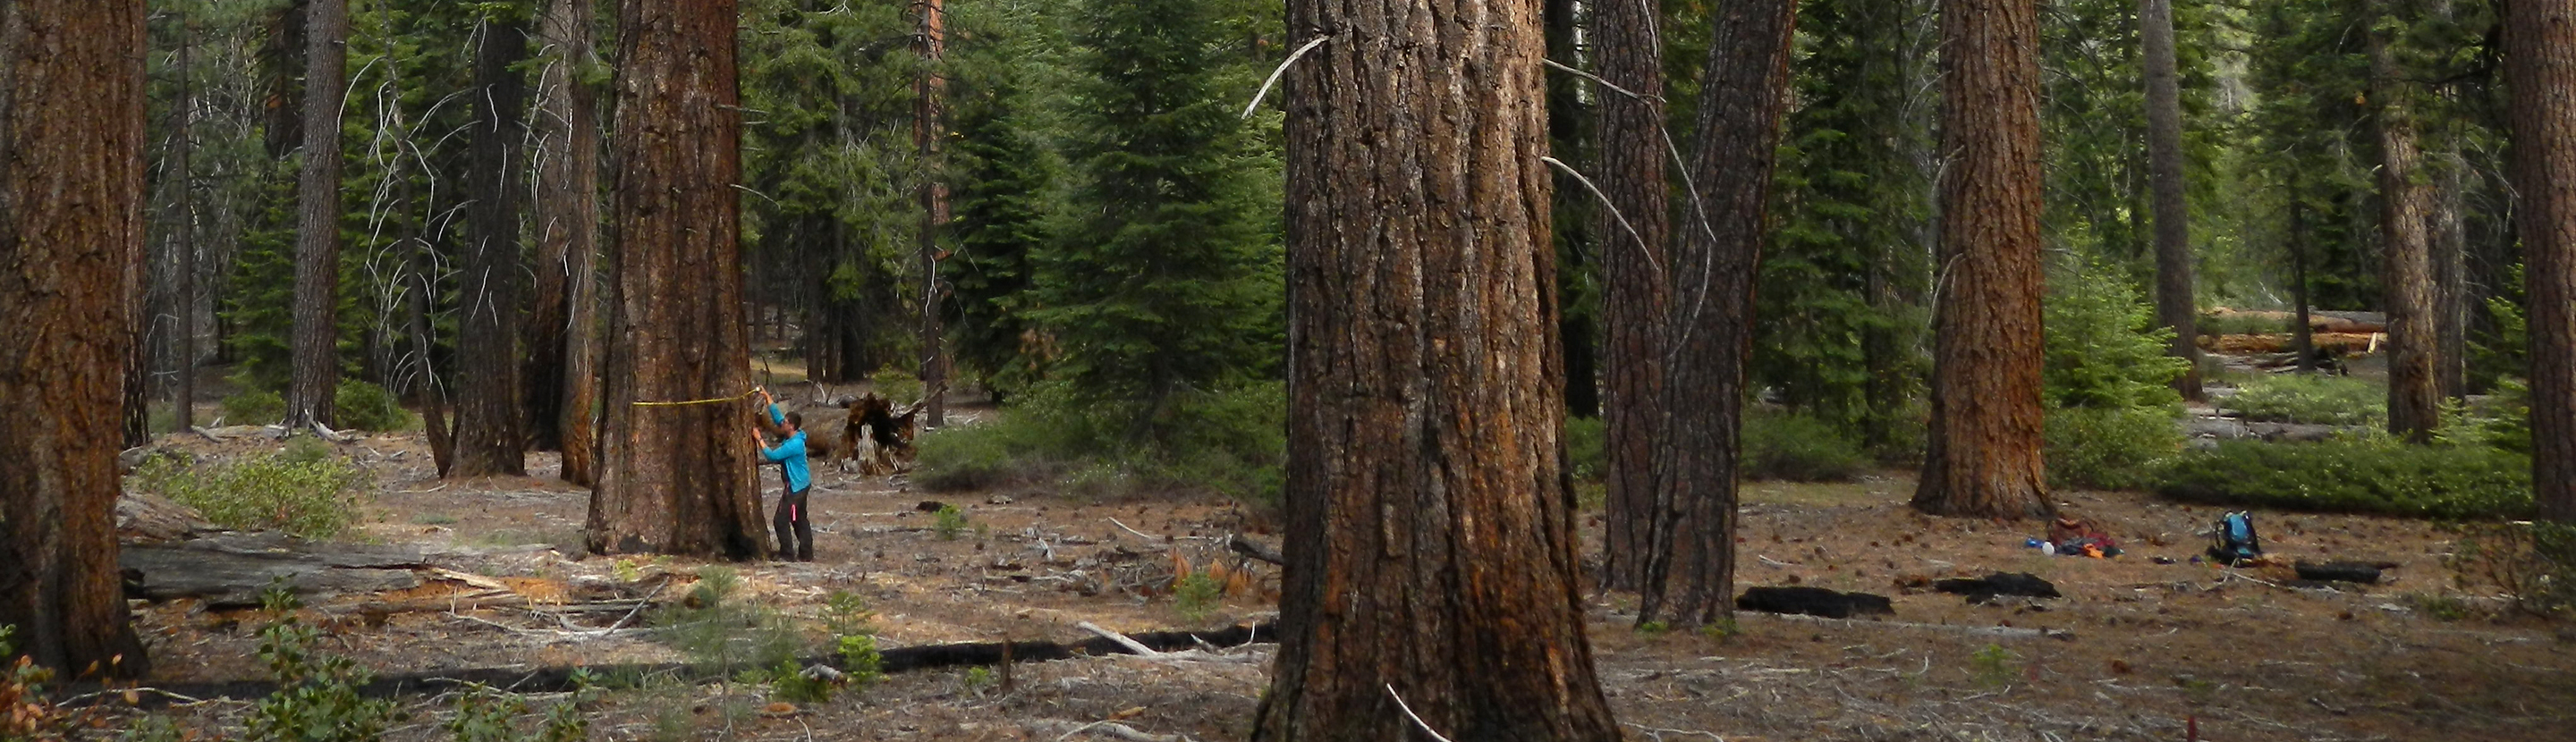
(1001, 207)
(1163, 284)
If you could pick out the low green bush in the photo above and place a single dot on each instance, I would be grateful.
(2500, 420)
(359, 405)
(2310, 398)
(298, 491)
(1232, 442)
(1798, 448)
(896, 384)
(254, 408)
(721, 634)
(2109, 449)
(1587, 448)
(2367, 475)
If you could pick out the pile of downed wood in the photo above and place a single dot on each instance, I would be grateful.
(2319, 320)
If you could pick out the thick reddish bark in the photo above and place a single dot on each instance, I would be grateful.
(2540, 66)
(1984, 457)
(564, 339)
(1691, 557)
(2175, 306)
(1431, 547)
(491, 432)
(1636, 287)
(315, 353)
(677, 478)
(2414, 402)
(71, 246)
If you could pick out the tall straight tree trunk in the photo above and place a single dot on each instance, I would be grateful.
(2302, 334)
(1983, 460)
(1572, 138)
(71, 247)
(2175, 306)
(2540, 67)
(315, 356)
(2405, 252)
(1636, 288)
(2448, 235)
(927, 130)
(677, 478)
(184, 398)
(1431, 544)
(491, 432)
(564, 341)
(1691, 556)
(282, 128)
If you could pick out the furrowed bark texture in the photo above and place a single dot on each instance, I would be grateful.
(1636, 286)
(1431, 544)
(2414, 404)
(927, 129)
(564, 339)
(71, 246)
(491, 434)
(677, 479)
(2175, 307)
(1691, 558)
(1983, 460)
(2540, 66)
(314, 353)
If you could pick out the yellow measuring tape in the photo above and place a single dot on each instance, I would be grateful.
(697, 401)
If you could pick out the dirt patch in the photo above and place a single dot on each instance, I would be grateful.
(2136, 649)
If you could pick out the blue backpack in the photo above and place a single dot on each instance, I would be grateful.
(2233, 539)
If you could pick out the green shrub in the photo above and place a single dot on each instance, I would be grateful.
(1197, 596)
(2310, 398)
(2109, 449)
(2369, 475)
(317, 694)
(1798, 448)
(948, 523)
(254, 408)
(2103, 347)
(484, 714)
(722, 636)
(314, 496)
(2501, 420)
(1232, 442)
(1587, 448)
(358, 405)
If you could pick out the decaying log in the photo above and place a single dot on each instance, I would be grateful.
(559, 679)
(1256, 550)
(230, 570)
(143, 518)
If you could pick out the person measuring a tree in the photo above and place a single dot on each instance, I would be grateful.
(795, 525)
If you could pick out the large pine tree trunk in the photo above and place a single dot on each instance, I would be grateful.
(564, 338)
(2175, 306)
(491, 435)
(1691, 558)
(1984, 456)
(183, 139)
(2414, 402)
(1431, 545)
(2448, 235)
(316, 329)
(677, 478)
(2540, 66)
(1636, 288)
(71, 246)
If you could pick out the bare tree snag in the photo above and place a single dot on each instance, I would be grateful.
(315, 353)
(71, 246)
(677, 478)
(1690, 561)
(2175, 305)
(2540, 67)
(1430, 539)
(2414, 403)
(1637, 289)
(491, 435)
(564, 339)
(1984, 457)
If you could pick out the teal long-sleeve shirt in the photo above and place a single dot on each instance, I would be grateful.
(789, 455)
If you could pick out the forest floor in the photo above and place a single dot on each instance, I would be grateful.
(2135, 651)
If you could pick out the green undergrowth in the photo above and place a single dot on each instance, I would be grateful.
(306, 490)
(1232, 443)
(2310, 398)
(2371, 474)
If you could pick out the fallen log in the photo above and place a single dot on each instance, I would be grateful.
(1256, 550)
(560, 679)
